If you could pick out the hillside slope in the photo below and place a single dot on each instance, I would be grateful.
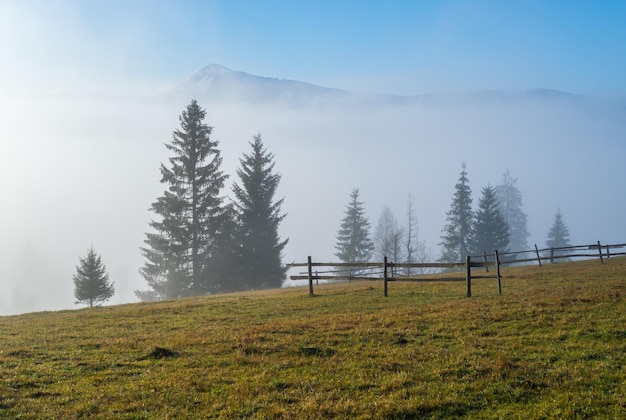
(552, 345)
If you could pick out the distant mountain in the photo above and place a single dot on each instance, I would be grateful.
(216, 83)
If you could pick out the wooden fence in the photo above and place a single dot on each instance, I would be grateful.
(388, 271)
(596, 250)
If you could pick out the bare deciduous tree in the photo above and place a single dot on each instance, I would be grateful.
(416, 250)
(388, 237)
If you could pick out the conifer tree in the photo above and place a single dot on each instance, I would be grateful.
(259, 216)
(490, 229)
(510, 204)
(558, 235)
(181, 253)
(91, 280)
(353, 238)
(457, 233)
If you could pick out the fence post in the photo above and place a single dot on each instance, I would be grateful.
(498, 271)
(538, 257)
(600, 251)
(310, 270)
(468, 276)
(608, 252)
(485, 259)
(385, 274)
(551, 255)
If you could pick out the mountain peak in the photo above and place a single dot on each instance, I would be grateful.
(218, 83)
(209, 71)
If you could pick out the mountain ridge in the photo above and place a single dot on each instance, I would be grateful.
(215, 82)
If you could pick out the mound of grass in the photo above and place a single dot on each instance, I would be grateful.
(160, 353)
(553, 345)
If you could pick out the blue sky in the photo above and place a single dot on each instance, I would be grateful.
(405, 47)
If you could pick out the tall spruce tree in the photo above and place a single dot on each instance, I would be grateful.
(259, 245)
(353, 238)
(558, 235)
(510, 204)
(181, 253)
(490, 229)
(456, 235)
(91, 280)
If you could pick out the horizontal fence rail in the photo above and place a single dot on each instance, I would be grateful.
(390, 271)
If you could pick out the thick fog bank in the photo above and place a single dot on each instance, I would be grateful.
(78, 172)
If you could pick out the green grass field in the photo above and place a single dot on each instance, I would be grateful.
(553, 345)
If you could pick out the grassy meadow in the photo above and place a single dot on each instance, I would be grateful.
(553, 345)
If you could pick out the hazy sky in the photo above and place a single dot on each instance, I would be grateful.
(391, 46)
(81, 133)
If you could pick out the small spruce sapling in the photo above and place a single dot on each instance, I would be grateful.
(91, 280)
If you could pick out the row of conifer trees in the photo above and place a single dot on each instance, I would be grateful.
(498, 223)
